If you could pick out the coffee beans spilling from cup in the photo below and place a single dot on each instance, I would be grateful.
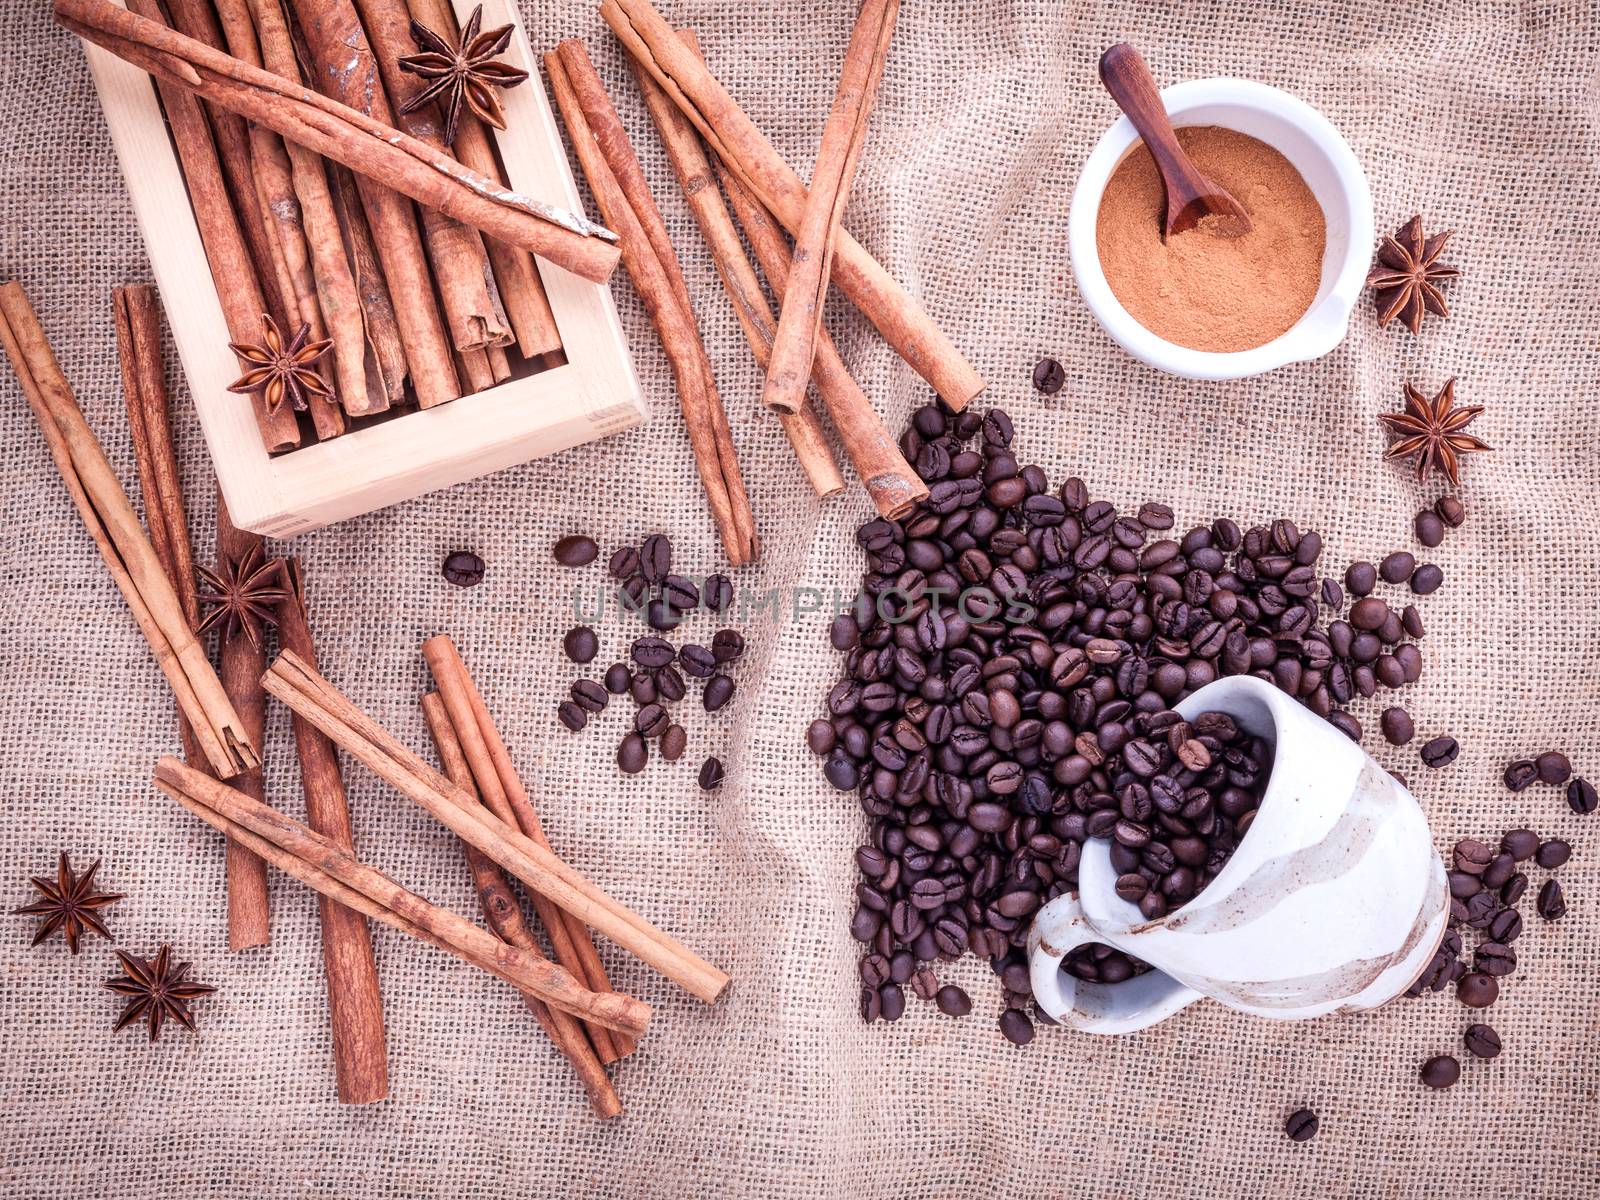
(1010, 666)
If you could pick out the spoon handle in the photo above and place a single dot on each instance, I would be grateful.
(1127, 77)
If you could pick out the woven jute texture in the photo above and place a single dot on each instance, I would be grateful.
(1485, 117)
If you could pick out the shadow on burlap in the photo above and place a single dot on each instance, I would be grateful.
(1484, 116)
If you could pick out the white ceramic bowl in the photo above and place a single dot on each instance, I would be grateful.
(1314, 147)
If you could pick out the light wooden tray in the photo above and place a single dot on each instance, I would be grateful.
(596, 393)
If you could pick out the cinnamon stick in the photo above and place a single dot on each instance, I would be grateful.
(124, 547)
(355, 1005)
(735, 139)
(233, 267)
(893, 484)
(144, 391)
(334, 871)
(527, 306)
(607, 160)
(340, 132)
(800, 315)
(242, 662)
(459, 263)
(306, 692)
(500, 909)
(385, 356)
(503, 794)
(690, 165)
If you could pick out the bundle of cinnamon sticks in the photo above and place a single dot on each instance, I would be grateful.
(328, 210)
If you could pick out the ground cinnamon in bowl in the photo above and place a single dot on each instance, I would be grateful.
(1197, 289)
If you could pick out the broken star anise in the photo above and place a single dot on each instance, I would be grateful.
(156, 990)
(1430, 431)
(1405, 280)
(69, 904)
(464, 71)
(282, 372)
(242, 594)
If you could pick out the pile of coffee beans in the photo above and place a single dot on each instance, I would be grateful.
(654, 675)
(1010, 667)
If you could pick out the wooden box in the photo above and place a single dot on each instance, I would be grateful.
(594, 394)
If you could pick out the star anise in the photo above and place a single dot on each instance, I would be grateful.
(1430, 431)
(1405, 280)
(242, 594)
(281, 371)
(156, 989)
(464, 71)
(69, 904)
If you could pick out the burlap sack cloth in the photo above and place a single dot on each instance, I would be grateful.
(1484, 117)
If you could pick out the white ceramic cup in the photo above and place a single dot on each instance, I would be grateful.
(1335, 899)
(1314, 147)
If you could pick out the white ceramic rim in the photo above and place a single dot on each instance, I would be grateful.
(1318, 331)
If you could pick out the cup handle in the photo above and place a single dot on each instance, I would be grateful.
(1137, 1003)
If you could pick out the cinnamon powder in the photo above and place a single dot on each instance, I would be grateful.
(1200, 290)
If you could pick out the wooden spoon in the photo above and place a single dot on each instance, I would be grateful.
(1191, 196)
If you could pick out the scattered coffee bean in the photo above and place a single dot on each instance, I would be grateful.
(580, 644)
(1481, 1041)
(617, 678)
(1369, 613)
(1301, 1125)
(1552, 854)
(1581, 797)
(1553, 767)
(632, 754)
(1450, 510)
(719, 690)
(589, 695)
(674, 741)
(1397, 567)
(1441, 1071)
(464, 568)
(571, 715)
(1425, 580)
(1513, 890)
(1440, 752)
(1494, 958)
(1016, 1027)
(952, 1001)
(655, 558)
(576, 551)
(1521, 844)
(1049, 376)
(1429, 527)
(1551, 904)
(711, 775)
(1519, 776)
(717, 592)
(925, 983)
(624, 564)
(821, 736)
(727, 645)
(670, 684)
(1397, 726)
(1471, 855)
(651, 720)
(653, 652)
(1476, 989)
(697, 661)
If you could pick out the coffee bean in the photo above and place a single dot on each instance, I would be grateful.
(1440, 752)
(719, 690)
(1450, 510)
(1471, 856)
(1552, 854)
(1521, 774)
(1513, 889)
(891, 998)
(589, 695)
(1476, 989)
(1463, 885)
(871, 1005)
(1426, 579)
(653, 652)
(1521, 844)
(1494, 958)
(1360, 578)
(1397, 726)
(1441, 1071)
(632, 754)
(463, 568)
(727, 645)
(1429, 527)
(1016, 1027)
(1397, 567)
(1301, 1125)
(697, 661)
(580, 644)
(624, 563)
(571, 715)
(651, 720)
(711, 774)
(1048, 376)
(952, 1001)
(1481, 1041)
(576, 551)
(717, 592)
(655, 558)
(1581, 797)
(1499, 871)
(670, 684)
(661, 615)
(1553, 767)
(680, 593)
(1368, 613)
(1551, 904)
(674, 741)
(1506, 926)
(821, 736)
(617, 678)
